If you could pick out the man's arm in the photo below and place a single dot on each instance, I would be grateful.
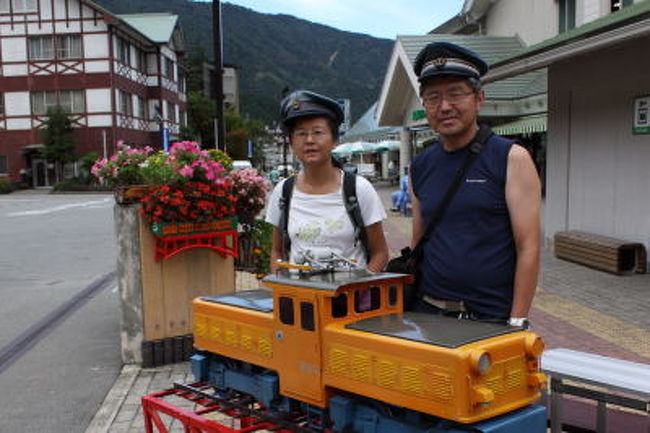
(418, 229)
(523, 196)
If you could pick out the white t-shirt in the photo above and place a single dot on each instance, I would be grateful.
(320, 223)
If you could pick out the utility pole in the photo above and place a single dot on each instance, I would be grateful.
(218, 75)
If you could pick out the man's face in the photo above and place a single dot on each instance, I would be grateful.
(451, 105)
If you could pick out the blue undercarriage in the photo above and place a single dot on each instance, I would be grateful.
(350, 413)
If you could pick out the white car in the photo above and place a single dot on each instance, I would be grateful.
(238, 164)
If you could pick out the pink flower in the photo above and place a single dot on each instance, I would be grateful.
(186, 171)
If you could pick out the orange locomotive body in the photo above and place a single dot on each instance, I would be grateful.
(346, 334)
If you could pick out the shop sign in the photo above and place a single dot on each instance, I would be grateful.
(642, 115)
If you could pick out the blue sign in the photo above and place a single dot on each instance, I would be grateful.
(165, 139)
(250, 148)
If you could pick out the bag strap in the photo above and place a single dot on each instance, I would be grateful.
(483, 134)
(285, 204)
(354, 211)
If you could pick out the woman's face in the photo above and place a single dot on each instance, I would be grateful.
(312, 141)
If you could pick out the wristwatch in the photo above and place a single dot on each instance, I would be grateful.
(519, 322)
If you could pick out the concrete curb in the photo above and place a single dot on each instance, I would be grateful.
(107, 412)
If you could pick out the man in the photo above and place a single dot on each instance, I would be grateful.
(482, 259)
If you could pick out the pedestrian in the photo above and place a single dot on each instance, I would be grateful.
(401, 198)
(319, 223)
(481, 260)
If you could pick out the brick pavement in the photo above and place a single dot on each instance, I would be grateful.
(575, 307)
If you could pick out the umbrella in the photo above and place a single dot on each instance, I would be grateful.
(354, 147)
(342, 149)
(387, 145)
(361, 147)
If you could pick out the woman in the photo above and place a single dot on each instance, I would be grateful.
(318, 223)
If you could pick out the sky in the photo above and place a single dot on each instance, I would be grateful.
(382, 19)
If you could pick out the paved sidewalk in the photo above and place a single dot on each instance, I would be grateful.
(575, 307)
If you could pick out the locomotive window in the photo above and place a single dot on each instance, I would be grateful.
(392, 295)
(367, 299)
(307, 316)
(286, 310)
(340, 306)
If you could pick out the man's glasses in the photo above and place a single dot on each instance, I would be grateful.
(303, 134)
(434, 99)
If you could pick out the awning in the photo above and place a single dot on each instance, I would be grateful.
(524, 125)
(32, 148)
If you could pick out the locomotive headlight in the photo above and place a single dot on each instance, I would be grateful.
(480, 361)
(534, 346)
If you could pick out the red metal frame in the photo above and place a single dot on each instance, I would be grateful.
(169, 246)
(153, 405)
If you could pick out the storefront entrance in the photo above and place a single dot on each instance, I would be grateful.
(43, 175)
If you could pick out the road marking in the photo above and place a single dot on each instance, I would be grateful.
(611, 329)
(28, 339)
(85, 204)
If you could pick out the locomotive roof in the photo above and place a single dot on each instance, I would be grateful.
(331, 281)
(431, 329)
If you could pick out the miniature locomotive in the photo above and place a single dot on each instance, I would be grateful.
(339, 346)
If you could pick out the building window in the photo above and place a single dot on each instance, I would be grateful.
(567, 15)
(49, 47)
(72, 101)
(123, 51)
(41, 48)
(142, 108)
(182, 118)
(171, 112)
(126, 103)
(68, 47)
(181, 81)
(620, 4)
(18, 6)
(142, 61)
(4, 167)
(2, 105)
(169, 68)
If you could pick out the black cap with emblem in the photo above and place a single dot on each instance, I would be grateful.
(304, 103)
(445, 58)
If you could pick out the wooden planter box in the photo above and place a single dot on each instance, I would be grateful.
(156, 294)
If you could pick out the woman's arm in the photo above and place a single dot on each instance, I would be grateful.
(378, 247)
(276, 249)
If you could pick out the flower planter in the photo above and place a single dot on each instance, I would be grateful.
(161, 229)
(130, 194)
(220, 236)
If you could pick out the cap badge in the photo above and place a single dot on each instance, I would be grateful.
(440, 62)
(295, 104)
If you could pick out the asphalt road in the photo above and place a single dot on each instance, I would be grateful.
(59, 310)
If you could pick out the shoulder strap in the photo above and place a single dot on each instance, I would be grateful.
(285, 205)
(354, 211)
(482, 136)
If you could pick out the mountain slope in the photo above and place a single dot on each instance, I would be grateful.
(274, 52)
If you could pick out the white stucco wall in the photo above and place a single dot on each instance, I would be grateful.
(531, 20)
(98, 100)
(14, 50)
(598, 172)
(96, 46)
(17, 104)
